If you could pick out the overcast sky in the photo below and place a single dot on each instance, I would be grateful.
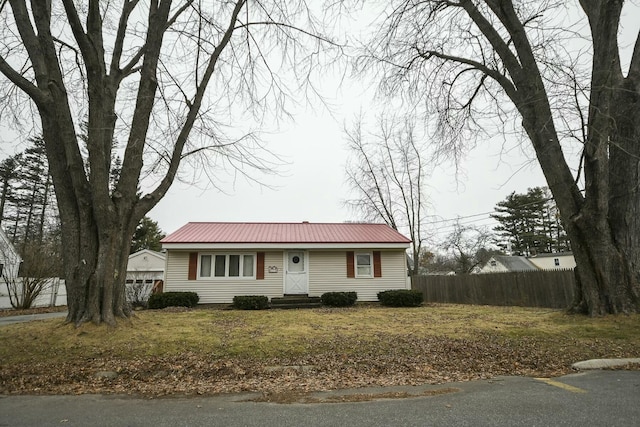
(312, 186)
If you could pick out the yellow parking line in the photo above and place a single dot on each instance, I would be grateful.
(563, 386)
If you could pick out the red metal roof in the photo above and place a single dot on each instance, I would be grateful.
(245, 232)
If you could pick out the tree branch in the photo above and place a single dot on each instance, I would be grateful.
(501, 79)
(151, 199)
(30, 40)
(25, 85)
(78, 30)
(127, 8)
(511, 62)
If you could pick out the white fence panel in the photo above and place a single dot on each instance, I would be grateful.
(54, 294)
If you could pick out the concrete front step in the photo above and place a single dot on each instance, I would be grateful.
(295, 301)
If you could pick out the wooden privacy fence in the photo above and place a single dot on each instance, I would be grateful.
(552, 289)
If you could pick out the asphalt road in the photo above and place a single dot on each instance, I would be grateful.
(592, 398)
(10, 320)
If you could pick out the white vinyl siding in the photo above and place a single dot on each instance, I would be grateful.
(549, 262)
(328, 273)
(220, 289)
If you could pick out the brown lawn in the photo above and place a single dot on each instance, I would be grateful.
(297, 351)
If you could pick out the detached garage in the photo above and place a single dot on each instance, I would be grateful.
(220, 260)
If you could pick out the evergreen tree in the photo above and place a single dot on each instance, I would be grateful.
(530, 224)
(27, 205)
(147, 236)
(8, 171)
(32, 207)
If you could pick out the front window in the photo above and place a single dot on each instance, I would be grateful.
(221, 265)
(205, 266)
(247, 266)
(227, 265)
(234, 265)
(363, 265)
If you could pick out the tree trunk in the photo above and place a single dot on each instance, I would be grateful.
(605, 281)
(95, 271)
(610, 277)
(607, 249)
(95, 230)
(606, 231)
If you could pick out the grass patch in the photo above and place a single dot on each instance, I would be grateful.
(211, 351)
(282, 333)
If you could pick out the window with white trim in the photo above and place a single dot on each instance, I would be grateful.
(226, 265)
(364, 264)
(556, 262)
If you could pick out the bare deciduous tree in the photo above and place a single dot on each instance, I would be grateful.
(157, 81)
(469, 61)
(29, 276)
(387, 175)
(468, 246)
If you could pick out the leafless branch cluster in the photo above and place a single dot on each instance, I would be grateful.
(266, 55)
(436, 57)
(387, 173)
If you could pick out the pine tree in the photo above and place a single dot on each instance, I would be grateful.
(8, 172)
(147, 236)
(27, 206)
(530, 224)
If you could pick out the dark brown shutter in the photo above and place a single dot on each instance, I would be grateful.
(377, 264)
(351, 270)
(260, 266)
(193, 265)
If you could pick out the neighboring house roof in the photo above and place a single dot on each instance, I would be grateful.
(7, 250)
(264, 234)
(515, 263)
(146, 260)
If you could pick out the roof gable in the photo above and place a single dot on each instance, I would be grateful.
(245, 233)
(8, 252)
(146, 259)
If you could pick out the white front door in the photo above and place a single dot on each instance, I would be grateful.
(296, 277)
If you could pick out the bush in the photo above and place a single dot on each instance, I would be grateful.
(251, 302)
(339, 299)
(400, 298)
(173, 299)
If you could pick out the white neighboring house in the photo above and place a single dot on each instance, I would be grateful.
(557, 261)
(505, 263)
(145, 272)
(10, 262)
